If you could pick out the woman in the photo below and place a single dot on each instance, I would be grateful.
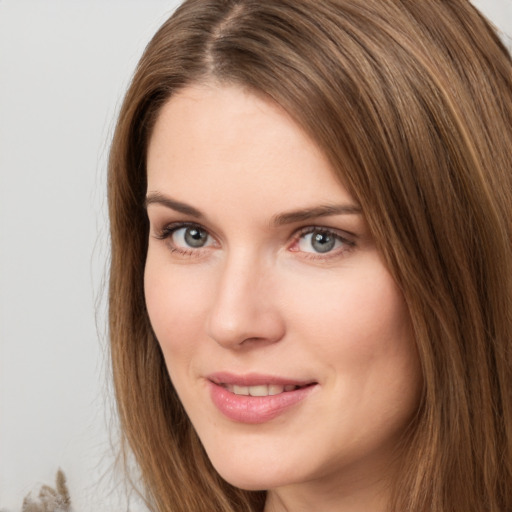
(311, 286)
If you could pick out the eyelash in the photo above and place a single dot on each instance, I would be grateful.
(166, 233)
(340, 236)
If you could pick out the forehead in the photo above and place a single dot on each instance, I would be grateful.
(227, 141)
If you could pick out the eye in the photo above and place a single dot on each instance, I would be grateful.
(193, 237)
(185, 238)
(321, 241)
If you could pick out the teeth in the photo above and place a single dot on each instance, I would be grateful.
(258, 390)
(274, 389)
(240, 390)
(262, 390)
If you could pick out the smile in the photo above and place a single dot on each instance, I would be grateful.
(255, 398)
(261, 390)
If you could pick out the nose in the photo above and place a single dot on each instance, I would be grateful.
(245, 311)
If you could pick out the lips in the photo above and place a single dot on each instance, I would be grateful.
(256, 398)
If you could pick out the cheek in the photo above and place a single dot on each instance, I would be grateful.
(360, 328)
(176, 306)
(361, 313)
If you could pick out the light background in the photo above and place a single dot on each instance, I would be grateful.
(64, 65)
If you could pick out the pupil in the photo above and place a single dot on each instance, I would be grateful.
(322, 242)
(195, 237)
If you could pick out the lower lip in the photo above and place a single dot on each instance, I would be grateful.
(255, 409)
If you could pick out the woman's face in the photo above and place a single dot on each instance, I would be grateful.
(285, 336)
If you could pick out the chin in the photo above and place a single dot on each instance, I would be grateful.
(253, 478)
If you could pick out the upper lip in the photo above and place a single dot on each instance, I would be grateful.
(256, 379)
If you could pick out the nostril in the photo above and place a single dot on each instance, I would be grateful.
(250, 328)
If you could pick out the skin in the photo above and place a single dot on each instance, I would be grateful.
(258, 297)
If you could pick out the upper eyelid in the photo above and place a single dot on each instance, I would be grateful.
(297, 232)
(342, 233)
(347, 239)
(166, 232)
(174, 226)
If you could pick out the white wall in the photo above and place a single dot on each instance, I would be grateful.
(64, 65)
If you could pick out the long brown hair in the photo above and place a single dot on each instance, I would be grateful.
(412, 103)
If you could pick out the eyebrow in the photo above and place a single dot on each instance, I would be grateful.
(315, 212)
(158, 198)
(280, 219)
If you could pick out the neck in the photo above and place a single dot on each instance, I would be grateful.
(353, 497)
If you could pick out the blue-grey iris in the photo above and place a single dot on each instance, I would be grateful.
(322, 241)
(195, 237)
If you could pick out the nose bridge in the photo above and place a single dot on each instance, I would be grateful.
(243, 308)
